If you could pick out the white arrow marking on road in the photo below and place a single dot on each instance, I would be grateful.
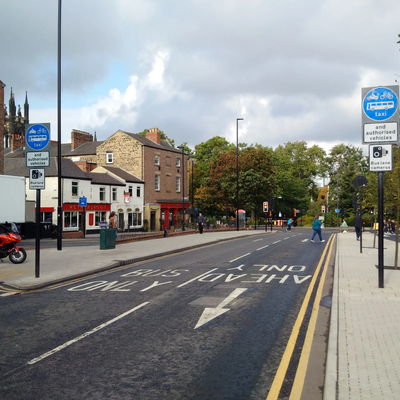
(211, 313)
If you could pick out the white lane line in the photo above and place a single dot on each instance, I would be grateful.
(263, 247)
(63, 346)
(244, 255)
(258, 240)
(276, 242)
(286, 238)
(9, 294)
(197, 277)
(305, 240)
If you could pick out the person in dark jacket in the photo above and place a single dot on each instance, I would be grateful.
(358, 225)
(200, 222)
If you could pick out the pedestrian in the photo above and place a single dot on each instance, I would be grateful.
(358, 225)
(316, 225)
(332, 222)
(289, 225)
(104, 224)
(385, 226)
(111, 220)
(393, 226)
(200, 222)
(207, 224)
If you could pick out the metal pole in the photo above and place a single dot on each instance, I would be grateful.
(37, 242)
(337, 198)
(237, 172)
(380, 226)
(183, 190)
(59, 207)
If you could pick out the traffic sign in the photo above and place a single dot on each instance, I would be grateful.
(36, 179)
(37, 136)
(35, 159)
(380, 158)
(82, 202)
(337, 210)
(380, 103)
(380, 114)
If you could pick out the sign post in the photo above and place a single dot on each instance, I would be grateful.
(380, 123)
(37, 157)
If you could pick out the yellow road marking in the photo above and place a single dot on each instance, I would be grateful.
(287, 355)
(298, 383)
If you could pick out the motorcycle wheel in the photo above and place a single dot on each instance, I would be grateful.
(17, 257)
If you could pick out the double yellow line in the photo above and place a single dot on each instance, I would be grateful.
(305, 354)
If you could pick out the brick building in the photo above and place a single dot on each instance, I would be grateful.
(159, 165)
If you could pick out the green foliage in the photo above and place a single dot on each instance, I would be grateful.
(163, 136)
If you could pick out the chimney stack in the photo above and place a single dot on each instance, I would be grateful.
(78, 138)
(154, 135)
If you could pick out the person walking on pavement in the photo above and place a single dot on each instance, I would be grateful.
(200, 222)
(358, 225)
(289, 225)
(316, 225)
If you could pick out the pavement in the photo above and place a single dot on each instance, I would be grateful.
(363, 357)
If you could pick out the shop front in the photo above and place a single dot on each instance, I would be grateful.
(171, 213)
(74, 216)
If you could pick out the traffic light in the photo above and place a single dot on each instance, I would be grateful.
(265, 206)
(323, 209)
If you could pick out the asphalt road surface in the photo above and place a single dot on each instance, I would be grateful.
(228, 321)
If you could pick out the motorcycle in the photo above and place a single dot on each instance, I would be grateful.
(9, 237)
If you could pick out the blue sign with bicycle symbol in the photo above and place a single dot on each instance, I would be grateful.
(37, 137)
(379, 104)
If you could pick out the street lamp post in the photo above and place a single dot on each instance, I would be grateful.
(237, 172)
(183, 187)
(193, 165)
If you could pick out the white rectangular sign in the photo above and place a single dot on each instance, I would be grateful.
(380, 158)
(37, 159)
(380, 132)
(36, 179)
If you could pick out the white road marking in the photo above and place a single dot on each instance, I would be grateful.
(286, 238)
(258, 240)
(211, 313)
(263, 247)
(276, 242)
(197, 277)
(9, 294)
(305, 240)
(244, 255)
(57, 349)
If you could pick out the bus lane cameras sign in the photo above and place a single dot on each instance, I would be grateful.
(380, 158)
(380, 114)
(37, 145)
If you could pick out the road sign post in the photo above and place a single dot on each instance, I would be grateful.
(37, 157)
(380, 123)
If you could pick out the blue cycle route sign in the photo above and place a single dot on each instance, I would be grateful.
(82, 201)
(380, 104)
(38, 137)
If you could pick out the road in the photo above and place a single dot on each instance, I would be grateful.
(227, 321)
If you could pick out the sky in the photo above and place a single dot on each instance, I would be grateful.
(293, 70)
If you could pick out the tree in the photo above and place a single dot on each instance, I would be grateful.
(163, 136)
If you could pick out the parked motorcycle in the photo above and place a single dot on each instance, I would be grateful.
(9, 237)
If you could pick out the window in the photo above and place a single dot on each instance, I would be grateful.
(178, 184)
(110, 158)
(157, 182)
(137, 191)
(130, 190)
(46, 216)
(70, 219)
(74, 188)
(114, 194)
(102, 193)
(134, 219)
(178, 162)
(157, 159)
(99, 216)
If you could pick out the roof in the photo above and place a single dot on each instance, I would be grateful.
(20, 152)
(125, 175)
(104, 179)
(164, 145)
(88, 148)
(17, 167)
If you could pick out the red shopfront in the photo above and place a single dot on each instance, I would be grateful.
(171, 213)
(74, 214)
